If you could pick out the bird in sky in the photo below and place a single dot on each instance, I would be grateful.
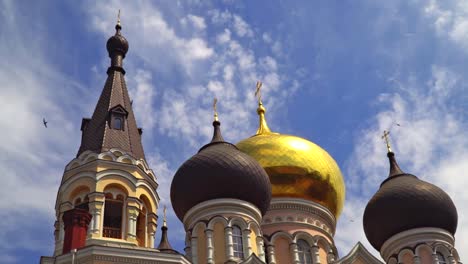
(44, 122)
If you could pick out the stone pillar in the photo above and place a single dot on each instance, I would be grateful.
(416, 259)
(209, 246)
(331, 256)
(271, 254)
(194, 242)
(95, 208)
(76, 223)
(294, 252)
(229, 243)
(132, 213)
(261, 248)
(451, 259)
(188, 245)
(247, 243)
(151, 228)
(315, 254)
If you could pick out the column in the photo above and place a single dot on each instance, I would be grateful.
(435, 258)
(416, 259)
(95, 208)
(209, 246)
(229, 243)
(271, 254)
(294, 252)
(152, 227)
(194, 242)
(451, 259)
(247, 243)
(331, 256)
(261, 248)
(132, 214)
(315, 254)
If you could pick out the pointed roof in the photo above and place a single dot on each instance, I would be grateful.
(359, 254)
(164, 244)
(98, 132)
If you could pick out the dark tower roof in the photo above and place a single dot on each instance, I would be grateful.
(164, 244)
(219, 170)
(404, 202)
(99, 132)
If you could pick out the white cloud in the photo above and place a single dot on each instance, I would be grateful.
(430, 143)
(241, 27)
(196, 22)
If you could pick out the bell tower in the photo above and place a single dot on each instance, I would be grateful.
(107, 196)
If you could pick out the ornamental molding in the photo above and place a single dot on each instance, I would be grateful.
(114, 155)
(217, 207)
(320, 217)
(94, 253)
(413, 237)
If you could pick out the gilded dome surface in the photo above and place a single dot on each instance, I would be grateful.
(297, 168)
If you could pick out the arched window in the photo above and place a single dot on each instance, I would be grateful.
(441, 258)
(237, 242)
(305, 255)
(113, 216)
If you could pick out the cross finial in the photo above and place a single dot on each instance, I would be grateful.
(118, 18)
(385, 137)
(258, 93)
(164, 217)
(215, 101)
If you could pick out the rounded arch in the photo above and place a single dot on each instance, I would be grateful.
(443, 249)
(143, 189)
(115, 189)
(253, 226)
(217, 219)
(198, 226)
(112, 179)
(323, 243)
(304, 236)
(78, 192)
(280, 234)
(239, 221)
(146, 203)
(403, 253)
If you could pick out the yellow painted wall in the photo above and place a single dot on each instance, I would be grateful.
(253, 239)
(201, 245)
(219, 243)
(282, 253)
(322, 254)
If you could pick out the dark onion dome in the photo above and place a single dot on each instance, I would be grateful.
(117, 43)
(404, 202)
(219, 170)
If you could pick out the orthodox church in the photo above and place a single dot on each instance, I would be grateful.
(271, 198)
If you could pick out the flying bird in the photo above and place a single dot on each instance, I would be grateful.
(44, 122)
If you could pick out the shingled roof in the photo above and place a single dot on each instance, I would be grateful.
(99, 133)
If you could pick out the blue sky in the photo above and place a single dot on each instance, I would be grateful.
(335, 72)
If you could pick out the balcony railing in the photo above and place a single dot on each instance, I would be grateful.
(112, 232)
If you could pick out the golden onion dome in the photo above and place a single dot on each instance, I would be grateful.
(297, 167)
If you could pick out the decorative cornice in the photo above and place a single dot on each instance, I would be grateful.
(115, 155)
(413, 237)
(359, 251)
(216, 207)
(327, 221)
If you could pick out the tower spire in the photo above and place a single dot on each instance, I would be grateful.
(394, 167)
(164, 244)
(263, 126)
(113, 123)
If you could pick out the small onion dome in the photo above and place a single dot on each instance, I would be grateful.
(404, 202)
(297, 167)
(219, 170)
(117, 43)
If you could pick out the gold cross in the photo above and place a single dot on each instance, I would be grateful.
(387, 140)
(258, 93)
(118, 18)
(215, 101)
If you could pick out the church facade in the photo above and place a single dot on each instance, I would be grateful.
(271, 198)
